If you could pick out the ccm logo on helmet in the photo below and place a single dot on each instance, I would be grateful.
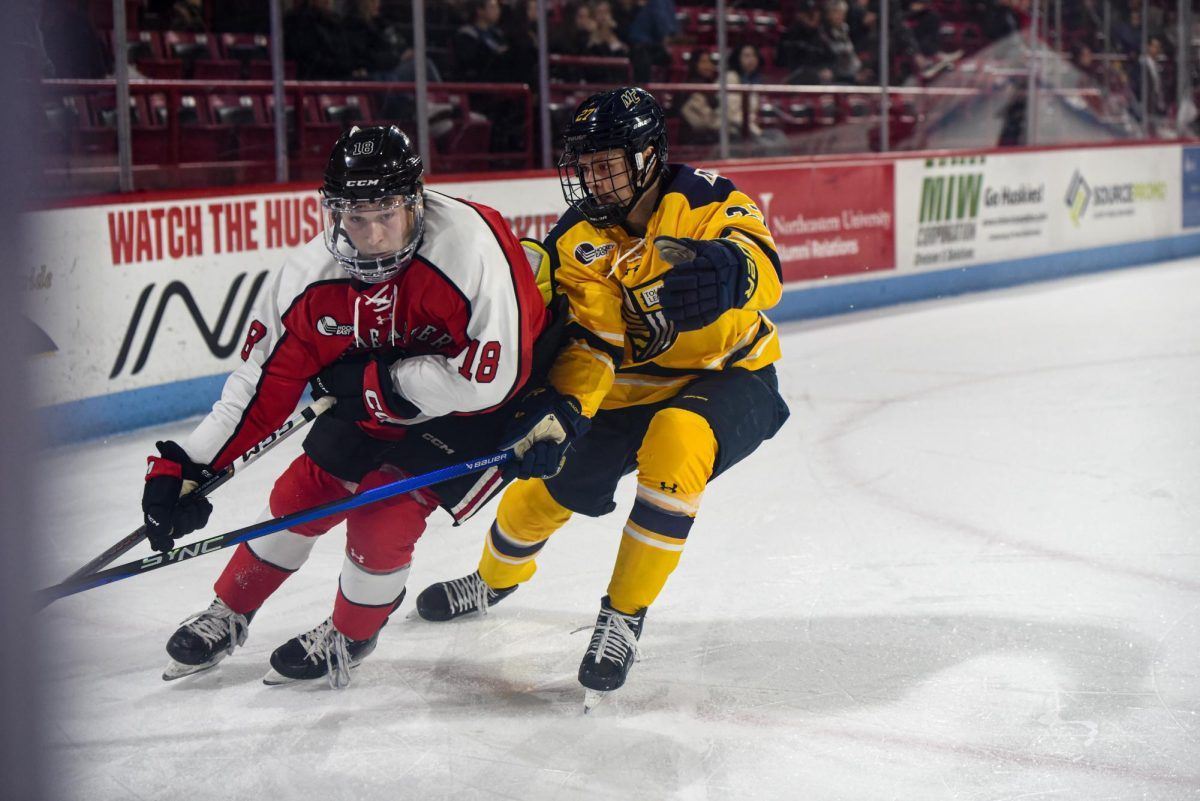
(365, 182)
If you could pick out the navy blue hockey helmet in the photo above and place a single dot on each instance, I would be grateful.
(623, 123)
(373, 205)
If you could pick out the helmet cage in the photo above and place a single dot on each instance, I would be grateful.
(372, 268)
(639, 173)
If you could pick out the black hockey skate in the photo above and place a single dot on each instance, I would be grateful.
(610, 654)
(204, 639)
(447, 600)
(323, 653)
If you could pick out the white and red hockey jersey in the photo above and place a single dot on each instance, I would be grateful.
(462, 317)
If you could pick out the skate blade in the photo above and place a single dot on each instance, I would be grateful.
(276, 679)
(592, 699)
(177, 670)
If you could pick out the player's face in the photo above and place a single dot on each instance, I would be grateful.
(378, 229)
(606, 175)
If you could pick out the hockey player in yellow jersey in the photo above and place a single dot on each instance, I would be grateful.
(666, 368)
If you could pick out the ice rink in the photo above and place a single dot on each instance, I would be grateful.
(967, 568)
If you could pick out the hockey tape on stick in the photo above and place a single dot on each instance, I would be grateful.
(293, 424)
(216, 543)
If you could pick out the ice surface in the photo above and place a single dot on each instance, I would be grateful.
(968, 568)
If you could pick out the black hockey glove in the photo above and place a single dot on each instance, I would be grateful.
(541, 432)
(709, 277)
(169, 509)
(364, 391)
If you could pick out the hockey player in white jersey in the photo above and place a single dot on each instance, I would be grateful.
(410, 307)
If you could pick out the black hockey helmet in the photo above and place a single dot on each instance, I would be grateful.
(373, 206)
(628, 120)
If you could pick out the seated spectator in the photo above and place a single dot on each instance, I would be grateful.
(187, 15)
(846, 64)
(603, 40)
(652, 24)
(864, 25)
(746, 64)
(701, 112)
(802, 48)
(571, 38)
(998, 20)
(926, 27)
(479, 46)
(374, 41)
(315, 38)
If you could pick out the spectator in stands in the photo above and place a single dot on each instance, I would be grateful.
(479, 46)
(846, 64)
(519, 27)
(926, 26)
(603, 40)
(1149, 83)
(803, 50)
(315, 38)
(1091, 70)
(1127, 33)
(651, 26)
(187, 15)
(1085, 18)
(998, 20)
(701, 112)
(864, 25)
(746, 65)
(73, 48)
(571, 38)
(374, 42)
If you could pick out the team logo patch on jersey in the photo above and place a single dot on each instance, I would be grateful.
(648, 331)
(587, 253)
(330, 327)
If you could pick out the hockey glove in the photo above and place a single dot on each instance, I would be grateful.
(364, 391)
(708, 278)
(541, 432)
(169, 509)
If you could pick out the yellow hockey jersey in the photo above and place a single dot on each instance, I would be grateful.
(620, 351)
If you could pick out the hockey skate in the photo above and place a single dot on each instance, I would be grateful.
(610, 654)
(447, 600)
(204, 639)
(323, 652)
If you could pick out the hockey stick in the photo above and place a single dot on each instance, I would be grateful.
(184, 552)
(293, 424)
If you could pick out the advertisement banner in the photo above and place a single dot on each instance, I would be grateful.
(827, 220)
(970, 209)
(957, 211)
(1191, 187)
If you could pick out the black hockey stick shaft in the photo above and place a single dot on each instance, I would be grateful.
(293, 424)
(200, 547)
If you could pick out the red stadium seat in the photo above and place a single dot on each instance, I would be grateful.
(222, 70)
(244, 47)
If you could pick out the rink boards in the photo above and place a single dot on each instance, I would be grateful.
(139, 308)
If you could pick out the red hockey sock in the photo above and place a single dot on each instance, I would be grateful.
(359, 622)
(247, 581)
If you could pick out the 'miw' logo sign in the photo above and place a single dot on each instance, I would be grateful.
(950, 193)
